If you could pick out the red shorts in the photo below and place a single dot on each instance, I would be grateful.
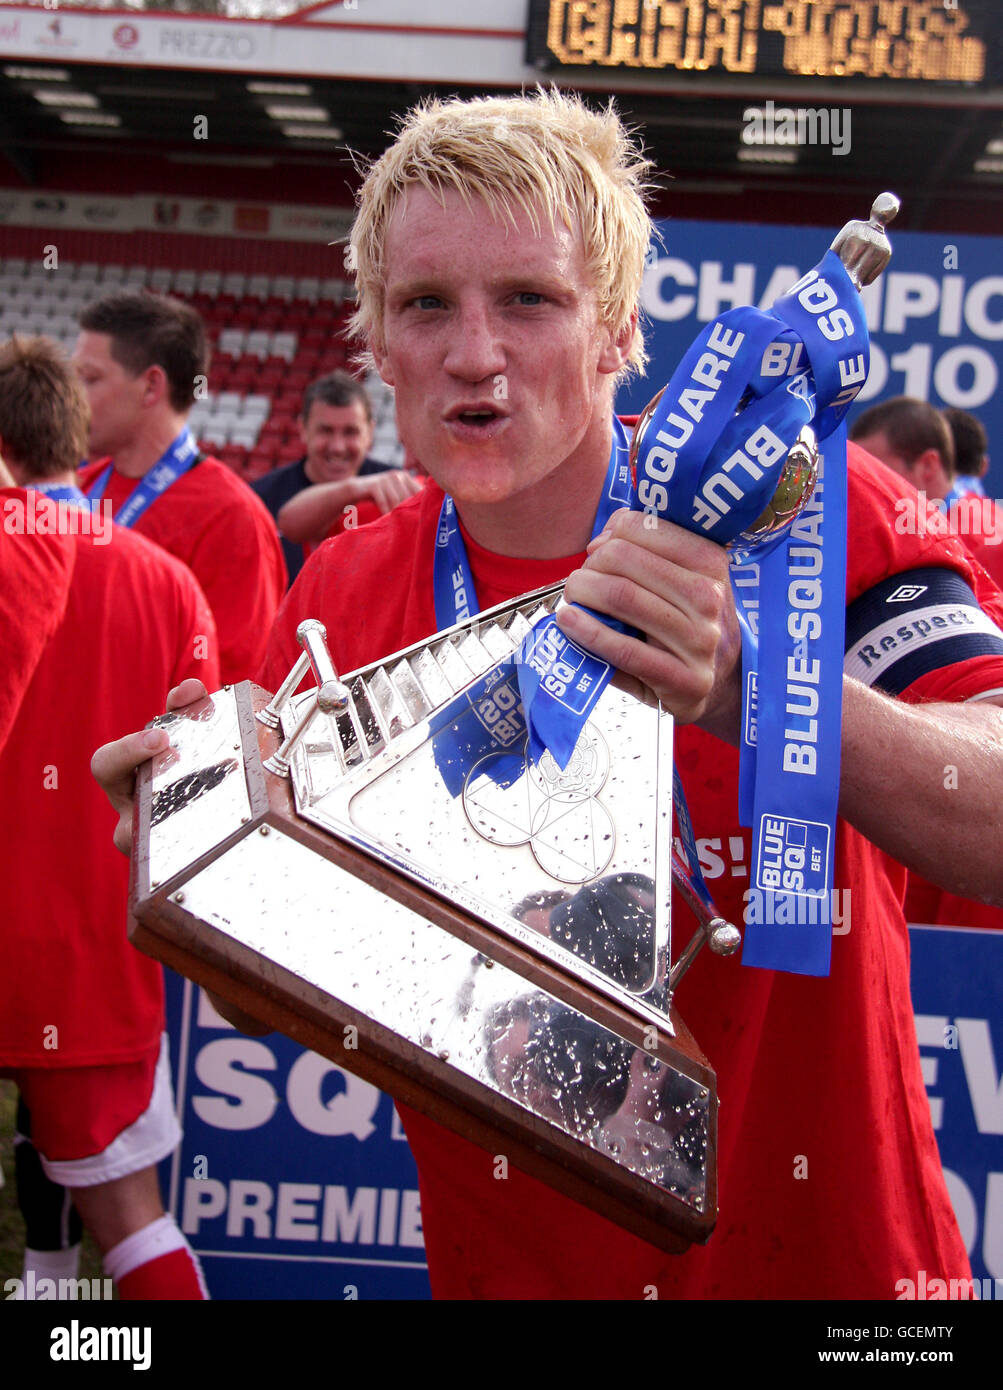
(95, 1124)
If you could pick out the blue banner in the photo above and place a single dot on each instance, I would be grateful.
(294, 1178)
(957, 992)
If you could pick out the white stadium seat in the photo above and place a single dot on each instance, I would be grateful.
(231, 341)
(258, 343)
(284, 345)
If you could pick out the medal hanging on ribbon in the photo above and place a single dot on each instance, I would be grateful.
(801, 364)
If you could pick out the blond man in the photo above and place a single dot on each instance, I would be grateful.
(499, 249)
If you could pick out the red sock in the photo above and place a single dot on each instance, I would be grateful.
(156, 1263)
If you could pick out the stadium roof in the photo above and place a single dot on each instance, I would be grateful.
(331, 76)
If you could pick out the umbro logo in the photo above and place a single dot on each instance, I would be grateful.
(905, 593)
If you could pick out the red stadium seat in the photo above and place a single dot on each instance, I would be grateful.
(256, 466)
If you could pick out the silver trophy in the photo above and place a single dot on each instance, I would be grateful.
(377, 868)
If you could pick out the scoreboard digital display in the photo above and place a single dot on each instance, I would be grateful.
(879, 40)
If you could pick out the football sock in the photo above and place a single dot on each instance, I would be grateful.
(156, 1263)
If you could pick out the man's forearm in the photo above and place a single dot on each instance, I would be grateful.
(925, 784)
(311, 513)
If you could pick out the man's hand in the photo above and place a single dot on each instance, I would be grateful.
(114, 764)
(309, 515)
(673, 587)
(387, 490)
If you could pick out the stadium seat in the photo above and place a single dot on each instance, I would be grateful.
(231, 341)
(259, 343)
(244, 435)
(284, 345)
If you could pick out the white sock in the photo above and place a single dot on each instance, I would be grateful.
(160, 1237)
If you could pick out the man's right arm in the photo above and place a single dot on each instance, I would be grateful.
(312, 512)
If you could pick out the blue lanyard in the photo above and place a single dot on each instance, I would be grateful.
(552, 723)
(176, 460)
(452, 579)
(60, 492)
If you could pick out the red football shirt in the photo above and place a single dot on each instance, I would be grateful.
(135, 624)
(819, 1076)
(35, 574)
(223, 532)
(979, 523)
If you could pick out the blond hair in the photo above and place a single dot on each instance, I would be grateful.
(545, 151)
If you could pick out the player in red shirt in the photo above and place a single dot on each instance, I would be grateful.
(81, 1011)
(500, 246)
(913, 439)
(38, 570)
(140, 357)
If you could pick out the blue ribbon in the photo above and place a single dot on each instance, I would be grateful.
(180, 455)
(796, 793)
(559, 682)
(706, 467)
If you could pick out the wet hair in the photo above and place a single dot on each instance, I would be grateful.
(545, 154)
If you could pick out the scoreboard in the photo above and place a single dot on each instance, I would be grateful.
(927, 41)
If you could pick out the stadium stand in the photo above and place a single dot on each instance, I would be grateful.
(271, 336)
